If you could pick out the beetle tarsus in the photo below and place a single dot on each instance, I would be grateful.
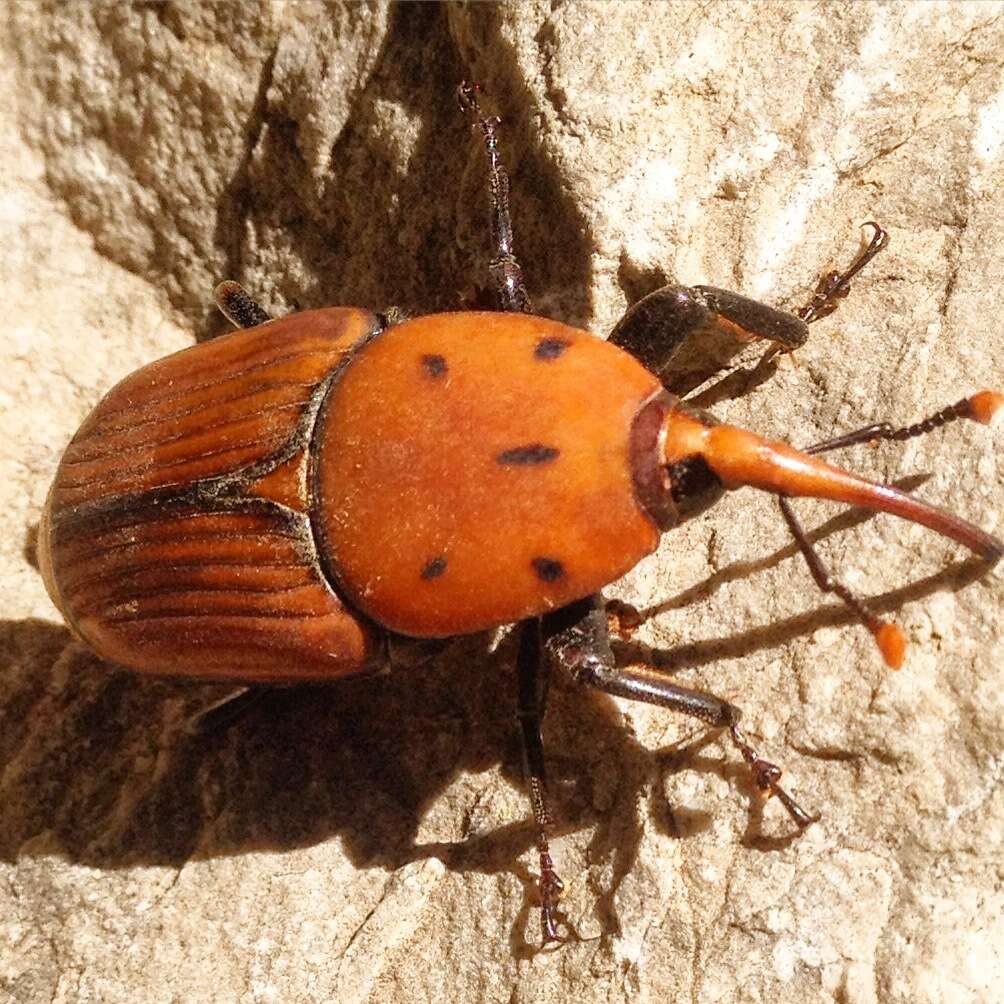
(766, 776)
(550, 888)
(653, 688)
(390, 316)
(834, 286)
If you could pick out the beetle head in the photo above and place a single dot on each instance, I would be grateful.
(692, 482)
(685, 460)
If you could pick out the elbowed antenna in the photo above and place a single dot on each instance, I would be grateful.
(739, 458)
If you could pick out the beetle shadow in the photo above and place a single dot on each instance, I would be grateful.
(383, 230)
(97, 764)
(371, 235)
(846, 520)
(953, 578)
(98, 768)
(100, 762)
(689, 655)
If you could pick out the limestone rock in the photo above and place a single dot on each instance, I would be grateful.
(370, 842)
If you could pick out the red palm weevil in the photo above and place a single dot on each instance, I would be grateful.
(306, 498)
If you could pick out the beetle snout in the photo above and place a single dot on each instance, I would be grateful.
(737, 458)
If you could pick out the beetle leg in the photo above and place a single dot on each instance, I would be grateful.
(238, 306)
(507, 276)
(390, 316)
(531, 701)
(576, 638)
(834, 286)
(655, 328)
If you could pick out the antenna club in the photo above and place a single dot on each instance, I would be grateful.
(986, 407)
(891, 642)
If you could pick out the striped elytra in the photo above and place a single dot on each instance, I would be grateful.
(259, 507)
(176, 537)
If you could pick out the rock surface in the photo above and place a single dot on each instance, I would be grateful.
(369, 842)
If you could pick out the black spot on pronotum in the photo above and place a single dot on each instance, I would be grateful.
(547, 569)
(550, 348)
(434, 365)
(532, 453)
(434, 567)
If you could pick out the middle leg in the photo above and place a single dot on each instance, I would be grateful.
(576, 639)
(531, 702)
(507, 277)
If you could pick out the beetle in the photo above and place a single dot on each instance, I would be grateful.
(325, 494)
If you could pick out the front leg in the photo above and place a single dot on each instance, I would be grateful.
(504, 268)
(656, 328)
(576, 639)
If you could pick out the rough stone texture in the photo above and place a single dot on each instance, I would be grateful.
(368, 842)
